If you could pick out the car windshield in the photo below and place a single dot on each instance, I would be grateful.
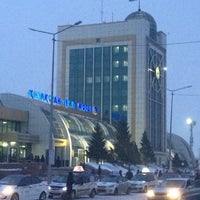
(11, 180)
(173, 183)
(169, 175)
(109, 179)
(61, 179)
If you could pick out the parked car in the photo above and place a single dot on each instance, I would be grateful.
(113, 184)
(142, 181)
(82, 186)
(23, 187)
(172, 188)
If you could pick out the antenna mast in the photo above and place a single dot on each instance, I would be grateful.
(101, 11)
(139, 9)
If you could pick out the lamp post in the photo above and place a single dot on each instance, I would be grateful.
(50, 148)
(171, 115)
(191, 123)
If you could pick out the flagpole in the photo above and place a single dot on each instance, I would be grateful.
(139, 9)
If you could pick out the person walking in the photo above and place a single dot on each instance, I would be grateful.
(69, 184)
(129, 174)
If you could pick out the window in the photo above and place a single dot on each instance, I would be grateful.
(89, 79)
(125, 63)
(116, 63)
(116, 49)
(125, 49)
(115, 108)
(125, 78)
(116, 78)
(97, 79)
(106, 78)
(124, 107)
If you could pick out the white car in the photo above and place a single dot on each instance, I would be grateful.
(82, 186)
(113, 184)
(142, 181)
(171, 188)
(22, 187)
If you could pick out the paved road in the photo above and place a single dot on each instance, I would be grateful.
(135, 196)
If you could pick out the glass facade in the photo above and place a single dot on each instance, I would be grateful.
(99, 76)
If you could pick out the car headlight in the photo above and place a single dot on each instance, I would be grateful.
(64, 189)
(150, 193)
(173, 193)
(49, 187)
(7, 190)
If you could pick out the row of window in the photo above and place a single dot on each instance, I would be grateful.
(97, 79)
(9, 126)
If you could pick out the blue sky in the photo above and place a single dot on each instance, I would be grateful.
(25, 56)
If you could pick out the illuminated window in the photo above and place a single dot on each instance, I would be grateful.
(125, 78)
(115, 108)
(125, 48)
(89, 79)
(124, 107)
(116, 63)
(116, 49)
(116, 78)
(125, 63)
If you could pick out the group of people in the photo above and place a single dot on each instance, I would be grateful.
(129, 174)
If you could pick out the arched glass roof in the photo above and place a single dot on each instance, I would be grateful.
(181, 147)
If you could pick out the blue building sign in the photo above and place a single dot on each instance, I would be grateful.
(64, 102)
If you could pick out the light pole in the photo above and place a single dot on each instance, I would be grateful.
(191, 123)
(51, 150)
(171, 115)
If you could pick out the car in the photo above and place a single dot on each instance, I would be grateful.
(142, 181)
(23, 187)
(82, 186)
(171, 188)
(113, 184)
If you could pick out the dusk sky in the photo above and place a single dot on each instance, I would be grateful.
(25, 56)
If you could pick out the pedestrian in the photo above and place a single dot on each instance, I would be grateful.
(129, 174)
(120, 172)
(99, 172)
(69, 184)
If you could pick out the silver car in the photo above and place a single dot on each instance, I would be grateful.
(113, 184)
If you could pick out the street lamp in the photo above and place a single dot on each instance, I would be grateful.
(50, 150)
(170, 130)
(191, 123)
